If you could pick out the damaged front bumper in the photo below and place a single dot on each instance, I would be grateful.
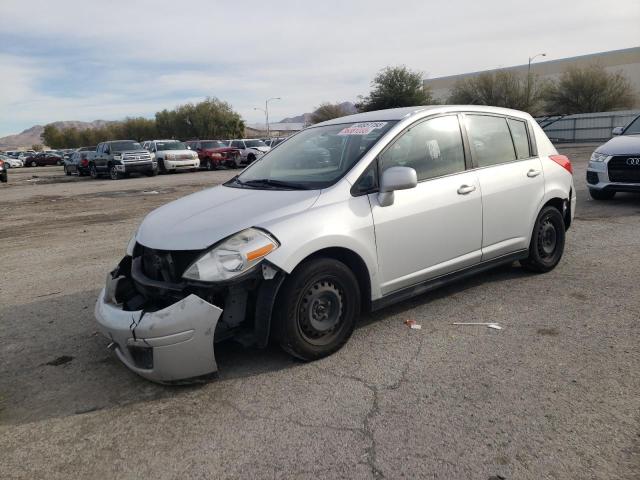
(175, 343)
(166, 332)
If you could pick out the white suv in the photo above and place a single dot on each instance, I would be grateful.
(172, 155)
(354, 213)
(250, 150)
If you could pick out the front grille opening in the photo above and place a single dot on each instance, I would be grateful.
(592, 178)
(166, 266)
(624, 169)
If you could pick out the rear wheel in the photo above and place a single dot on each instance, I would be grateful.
(93, 171)
(601, 194)
(317, 309)
(66, 171)
(547, 241)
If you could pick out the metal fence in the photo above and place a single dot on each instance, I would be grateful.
(585, 127)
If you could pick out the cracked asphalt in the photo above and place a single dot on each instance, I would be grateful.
(555, 394)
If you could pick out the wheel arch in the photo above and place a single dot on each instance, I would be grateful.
(355, 263)
(563, 205)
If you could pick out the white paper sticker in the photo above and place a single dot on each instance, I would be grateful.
(364, 128)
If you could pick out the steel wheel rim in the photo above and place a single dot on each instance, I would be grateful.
(547, 238)
(114, 173)
(321, 311)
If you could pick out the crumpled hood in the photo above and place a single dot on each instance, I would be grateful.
(260, 149)
(199, 220)
(622, 145)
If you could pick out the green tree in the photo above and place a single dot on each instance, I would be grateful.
(589, 89)
(36, 147)
(503, 88)
(396, 87)
(327, 111)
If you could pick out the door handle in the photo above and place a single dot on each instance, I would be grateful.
(465, 189)
(533, 173)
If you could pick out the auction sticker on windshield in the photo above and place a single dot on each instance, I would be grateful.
(364, 128)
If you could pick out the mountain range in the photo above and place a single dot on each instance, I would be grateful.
(31, 136)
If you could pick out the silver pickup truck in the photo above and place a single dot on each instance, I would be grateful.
(119, 158)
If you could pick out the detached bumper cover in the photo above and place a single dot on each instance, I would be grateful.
(175, 343)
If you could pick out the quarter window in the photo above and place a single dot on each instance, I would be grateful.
(433, 148)
(520, 138)
(490, 140)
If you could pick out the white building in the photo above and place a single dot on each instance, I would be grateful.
(626, 61)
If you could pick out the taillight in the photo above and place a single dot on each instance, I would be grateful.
(84, 162)
(563, 161)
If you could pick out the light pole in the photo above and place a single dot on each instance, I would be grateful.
(266, 116)
(266, 113)
(531, 59)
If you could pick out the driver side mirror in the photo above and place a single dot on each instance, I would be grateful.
(617, 131)
(395, 178)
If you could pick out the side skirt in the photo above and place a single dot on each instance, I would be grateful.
(437, 282)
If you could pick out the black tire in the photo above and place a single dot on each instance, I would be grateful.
(547, 241)
(114, 174)
(251, 158)
(93, 171)
(152, 173)
(34, 163)
(161, 167)
(66, 171)
(317, 309)
(209, 165)
(601, 194)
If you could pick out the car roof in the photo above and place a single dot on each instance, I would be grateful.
(406, 112)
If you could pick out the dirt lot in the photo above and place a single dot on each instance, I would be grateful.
(555, 394)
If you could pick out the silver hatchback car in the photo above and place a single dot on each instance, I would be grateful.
(348, 215)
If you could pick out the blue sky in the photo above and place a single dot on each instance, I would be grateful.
(87, 60)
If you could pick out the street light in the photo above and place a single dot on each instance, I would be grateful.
(531, 59)
(266, 113)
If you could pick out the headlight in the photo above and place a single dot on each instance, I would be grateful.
(598, 157)
(170, 156)
(194, 155)
(117, 157)
(236, 255)
(131, 245)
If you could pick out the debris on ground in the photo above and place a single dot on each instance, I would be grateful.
(61, 360)
(412, 324)
(150, 192)
(493, 325)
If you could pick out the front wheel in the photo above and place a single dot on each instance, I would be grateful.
(547, 241)
(114, 173)
(34, 163)
(66, 171)
(317, 309)
(601, 194)
(152, 173)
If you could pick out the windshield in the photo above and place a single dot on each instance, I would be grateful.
(633, 128)
(124, 146)
(160, 146)
(212, 144)
(316, 157)
(255, 143)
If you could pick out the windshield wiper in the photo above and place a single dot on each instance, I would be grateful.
(272, 183)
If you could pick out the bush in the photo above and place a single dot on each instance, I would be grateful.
(587, 90)
(396, 87)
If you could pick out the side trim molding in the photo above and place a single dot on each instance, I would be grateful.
(442, 280)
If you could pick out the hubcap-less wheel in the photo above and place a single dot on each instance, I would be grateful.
(547, 239)
(114, 173)
(34, 164)
(320, 311)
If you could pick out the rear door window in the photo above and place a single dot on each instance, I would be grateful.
(490, 140)
(520, 138)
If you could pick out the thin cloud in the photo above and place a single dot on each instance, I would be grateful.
(86, 60)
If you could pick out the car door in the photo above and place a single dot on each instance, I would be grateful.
(511, 180)
(435, 228)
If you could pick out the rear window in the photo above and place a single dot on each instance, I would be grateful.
(490, 140)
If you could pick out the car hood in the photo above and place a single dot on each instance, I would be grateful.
(197, 221)
(220, 150)
(261, 149)
(135, 152)
(622, 145)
